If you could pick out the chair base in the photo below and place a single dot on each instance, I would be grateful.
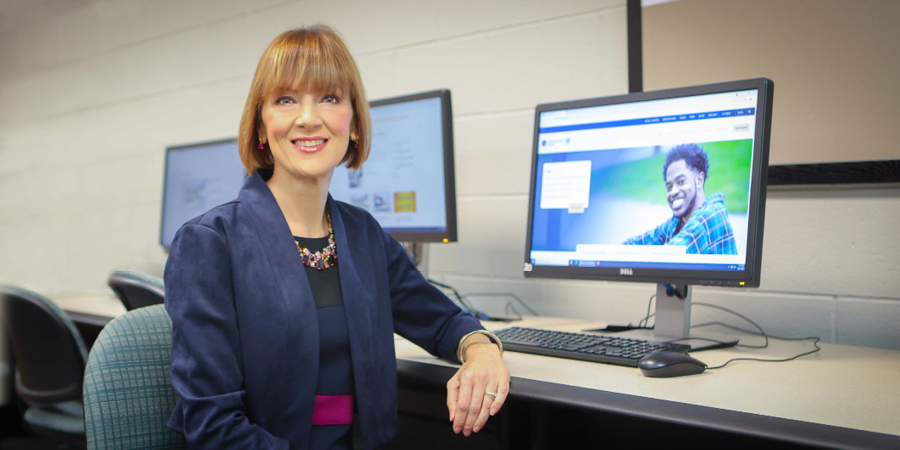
(63, 421)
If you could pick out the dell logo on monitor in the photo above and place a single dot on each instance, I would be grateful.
(624, 271)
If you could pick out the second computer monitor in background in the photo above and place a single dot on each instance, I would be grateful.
(197, 178)
(407, 183)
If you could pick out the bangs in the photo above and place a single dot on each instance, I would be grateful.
(304, 60)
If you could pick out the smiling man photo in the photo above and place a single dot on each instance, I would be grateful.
(698, 222)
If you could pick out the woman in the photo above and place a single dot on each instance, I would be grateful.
(267, 353)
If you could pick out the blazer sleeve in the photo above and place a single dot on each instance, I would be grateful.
(421, 312)
(206, 366)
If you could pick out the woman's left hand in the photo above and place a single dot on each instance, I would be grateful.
(483, 371)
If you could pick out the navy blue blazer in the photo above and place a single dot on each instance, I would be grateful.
(245, 340)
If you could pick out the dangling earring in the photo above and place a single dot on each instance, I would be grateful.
(261, 146)
(356, 144)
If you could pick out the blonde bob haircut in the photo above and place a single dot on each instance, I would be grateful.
(312, 58)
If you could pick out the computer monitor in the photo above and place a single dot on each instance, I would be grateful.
(667, 187)
(197, 178)
(408, 182)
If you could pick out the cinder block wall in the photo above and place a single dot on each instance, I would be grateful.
(91, 94)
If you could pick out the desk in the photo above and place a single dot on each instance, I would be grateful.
(841, 397)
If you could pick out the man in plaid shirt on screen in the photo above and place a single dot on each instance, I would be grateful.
(699, 223)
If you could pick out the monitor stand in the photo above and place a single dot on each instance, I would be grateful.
(673, 312)
(673, 318)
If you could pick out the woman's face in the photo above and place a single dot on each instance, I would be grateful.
(307, 132)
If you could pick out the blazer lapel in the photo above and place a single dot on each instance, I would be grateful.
(281, 252)
(358, 301)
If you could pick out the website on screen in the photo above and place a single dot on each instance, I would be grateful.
(655, 184)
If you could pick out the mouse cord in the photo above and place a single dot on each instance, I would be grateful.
(646, 322)
(761, 332)
(815, 343)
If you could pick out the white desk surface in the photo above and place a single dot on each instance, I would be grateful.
(843, 386)
(97, 304)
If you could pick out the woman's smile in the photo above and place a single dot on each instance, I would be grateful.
(312, 144)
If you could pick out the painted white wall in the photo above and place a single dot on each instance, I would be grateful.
(90, 96)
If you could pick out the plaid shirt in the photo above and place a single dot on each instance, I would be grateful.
(708, 231)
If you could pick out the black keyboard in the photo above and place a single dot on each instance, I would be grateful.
(587, 347)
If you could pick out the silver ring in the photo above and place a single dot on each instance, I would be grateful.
(492, 395)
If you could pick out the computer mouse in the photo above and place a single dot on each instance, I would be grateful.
(670, 364)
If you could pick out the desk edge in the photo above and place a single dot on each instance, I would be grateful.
(748, 424)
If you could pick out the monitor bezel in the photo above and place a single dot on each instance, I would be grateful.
(750, 276)
(449, 234)
(169, 150)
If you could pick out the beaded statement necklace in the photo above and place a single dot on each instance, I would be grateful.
(325, 258)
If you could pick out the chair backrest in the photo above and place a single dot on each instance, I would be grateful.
(128, 395)
(137, 290)
(49, 352)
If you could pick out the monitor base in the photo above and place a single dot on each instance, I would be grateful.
(673, 321)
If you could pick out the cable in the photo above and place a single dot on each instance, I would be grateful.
(646, 320)
(502, 294)
(510, 305)
(479, 314)
(719, 344)
(462, 302)
(723, 324)
(671, 290)
(815, 339)
(710, 305)
(761, 332)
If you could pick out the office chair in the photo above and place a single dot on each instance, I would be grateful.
(128, 395)
(137, 290)
(49, 363)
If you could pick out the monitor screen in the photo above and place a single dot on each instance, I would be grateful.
(407, 183)
(659, 186)
(198, 177)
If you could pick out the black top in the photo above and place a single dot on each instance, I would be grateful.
(325, 284)
(335, 366)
